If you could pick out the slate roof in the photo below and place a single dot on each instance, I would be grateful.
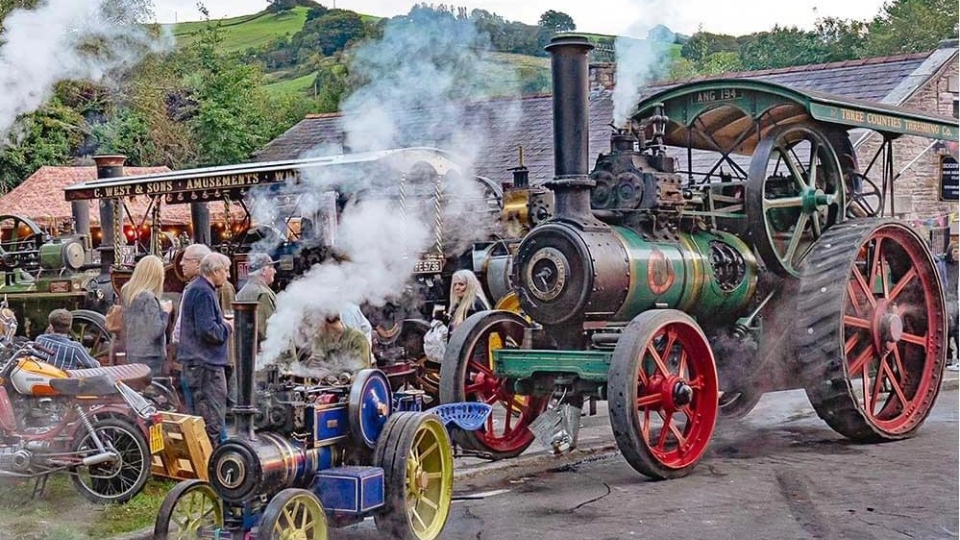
(870, 79)
(40, 197)
(890, 79)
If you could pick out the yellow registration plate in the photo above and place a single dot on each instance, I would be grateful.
(156, 438)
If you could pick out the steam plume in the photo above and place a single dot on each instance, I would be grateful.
(640, 61)
(65, 40)
(418, 83)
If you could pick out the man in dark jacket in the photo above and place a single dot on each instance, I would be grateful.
(204, 341)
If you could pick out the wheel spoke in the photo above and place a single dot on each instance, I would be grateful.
(851, 342)
(856, 322)
(812, 163)
(867, 290)
(795, 239)
(650, 400)
(914, 339)
(904, 281)
(782, 202)
(858, 365)
(895, 385)
(657, 360)
(792, 166)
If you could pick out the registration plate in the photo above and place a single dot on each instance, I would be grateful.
(156, 438)
(428, 266)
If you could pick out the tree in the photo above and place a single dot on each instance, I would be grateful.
(909, 26)
(47, 136)
(330, 32)
(844, 39)
(782, 47)
(557, 21)
(703, 44)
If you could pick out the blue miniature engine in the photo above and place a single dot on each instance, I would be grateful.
(309, 456)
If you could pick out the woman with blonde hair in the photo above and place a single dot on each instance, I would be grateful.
(145, 314)
(466, 297)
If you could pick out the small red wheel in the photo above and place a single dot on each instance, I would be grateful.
(871, 344)
(467, 375)
(663, 394)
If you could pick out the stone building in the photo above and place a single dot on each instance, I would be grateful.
(926, 82)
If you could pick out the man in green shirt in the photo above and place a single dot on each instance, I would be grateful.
(260, 272)
(338, 350)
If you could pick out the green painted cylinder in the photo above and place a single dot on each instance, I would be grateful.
(710, 276)
(567, 273)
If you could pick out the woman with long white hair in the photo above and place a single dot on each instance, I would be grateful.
(466, 297)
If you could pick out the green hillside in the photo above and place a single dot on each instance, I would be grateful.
(241, 33)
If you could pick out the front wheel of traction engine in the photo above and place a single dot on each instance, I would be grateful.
(293, 514)
(417, 459)
(467, 375)
(116, 480)
(663, 394)
(872, 330)
(189, 511)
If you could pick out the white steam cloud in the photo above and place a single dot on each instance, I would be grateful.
(65, 40)
(640, 60)
(421, 87)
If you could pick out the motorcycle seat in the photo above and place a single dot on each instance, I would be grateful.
(99, 385)
(136, 376)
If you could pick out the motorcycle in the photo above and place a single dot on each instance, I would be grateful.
(88, 423)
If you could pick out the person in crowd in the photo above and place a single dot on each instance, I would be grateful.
(204, 338)
(466, 297)
(353, 317)
(949, 273)
(67, 353)
(145, 315)
(226, 294)
(260, 272)
(190, 269)
(337, 350)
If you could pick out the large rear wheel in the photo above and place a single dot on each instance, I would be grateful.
(872, 331)
(663, 394)
(467, 375)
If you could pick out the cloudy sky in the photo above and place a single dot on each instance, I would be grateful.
(621, 17)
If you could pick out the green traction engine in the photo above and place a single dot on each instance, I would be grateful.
(638, 292)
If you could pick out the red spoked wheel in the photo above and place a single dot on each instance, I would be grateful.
(467, 375)
(663, 394)
(871, 341)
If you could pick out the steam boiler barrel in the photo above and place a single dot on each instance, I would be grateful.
(567, 275)
(242, 470)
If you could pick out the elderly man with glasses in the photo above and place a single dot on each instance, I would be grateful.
(204, 345)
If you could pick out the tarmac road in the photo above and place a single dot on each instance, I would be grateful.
(780, 473)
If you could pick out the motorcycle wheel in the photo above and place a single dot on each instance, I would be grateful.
(115, 481)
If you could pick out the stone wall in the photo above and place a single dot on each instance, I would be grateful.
(917, 190)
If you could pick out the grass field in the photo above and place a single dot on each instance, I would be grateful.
(241, 33)
(291, 86)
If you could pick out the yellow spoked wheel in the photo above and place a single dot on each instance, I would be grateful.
(417, 460)
(189, 510)
(294, 514)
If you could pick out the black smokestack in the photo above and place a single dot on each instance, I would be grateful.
(200, 216)
(245, 344)
(108, 167)
(571, 125)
